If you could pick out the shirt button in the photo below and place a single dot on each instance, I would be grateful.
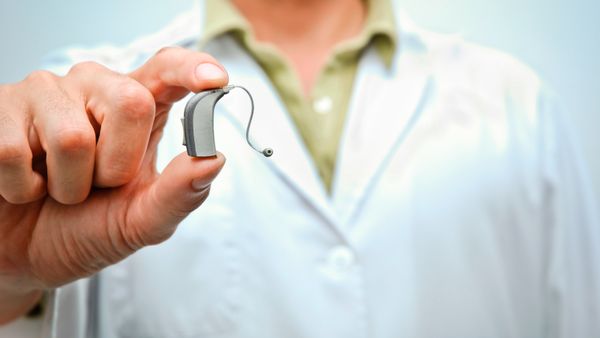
(341, 258)
(323, 105)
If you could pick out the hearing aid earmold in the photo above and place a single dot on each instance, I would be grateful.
(198, 123)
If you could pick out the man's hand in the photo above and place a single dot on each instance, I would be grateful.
(78, 185)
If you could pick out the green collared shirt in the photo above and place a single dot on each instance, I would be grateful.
(320, 116)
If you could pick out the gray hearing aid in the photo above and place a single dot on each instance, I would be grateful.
(198, 123)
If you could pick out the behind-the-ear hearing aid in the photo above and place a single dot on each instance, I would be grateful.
(198, 123)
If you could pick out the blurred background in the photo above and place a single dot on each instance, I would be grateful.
(558, 39)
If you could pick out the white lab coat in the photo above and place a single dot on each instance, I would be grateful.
(459, 209)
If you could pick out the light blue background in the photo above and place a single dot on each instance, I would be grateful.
(559, 39)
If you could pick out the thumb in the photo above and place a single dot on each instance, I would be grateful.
(181, 188)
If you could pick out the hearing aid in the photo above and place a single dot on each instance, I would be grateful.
(198, 122)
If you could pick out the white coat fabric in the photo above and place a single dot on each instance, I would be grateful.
(459, 209)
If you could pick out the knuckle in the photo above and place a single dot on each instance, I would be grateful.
(5, 91)
(207, 57)
(70, 198)
(173, 55)
(135, 101)
(117, 174)
(13, 153)
(203, 199)
(85, 67)
(136, 236)
(18, 196)
(183, 211)
(74, 140)
(169, 50)
(41, 77)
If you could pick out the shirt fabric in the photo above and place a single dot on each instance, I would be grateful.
(319, 117)
(459, 208)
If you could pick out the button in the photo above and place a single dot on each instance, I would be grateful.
(323, 105)
(339, 263)
(341, 258)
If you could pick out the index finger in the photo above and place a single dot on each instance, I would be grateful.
(173, 72)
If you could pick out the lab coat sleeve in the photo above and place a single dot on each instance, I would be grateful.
(571, 213)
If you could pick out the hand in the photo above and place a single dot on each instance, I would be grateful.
(79, 190)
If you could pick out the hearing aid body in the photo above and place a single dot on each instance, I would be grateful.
(198, 123)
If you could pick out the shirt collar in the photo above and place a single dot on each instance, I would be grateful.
(221, 17)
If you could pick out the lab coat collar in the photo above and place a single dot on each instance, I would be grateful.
(272, 126)
(385, 106)
(390, 97)
(383, 111)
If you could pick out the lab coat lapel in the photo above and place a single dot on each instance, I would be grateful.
(271, 126)
(385, 106)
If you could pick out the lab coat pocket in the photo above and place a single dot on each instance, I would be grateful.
(186, 287)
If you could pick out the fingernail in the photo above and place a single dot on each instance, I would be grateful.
(209, 71)
(201, 183)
